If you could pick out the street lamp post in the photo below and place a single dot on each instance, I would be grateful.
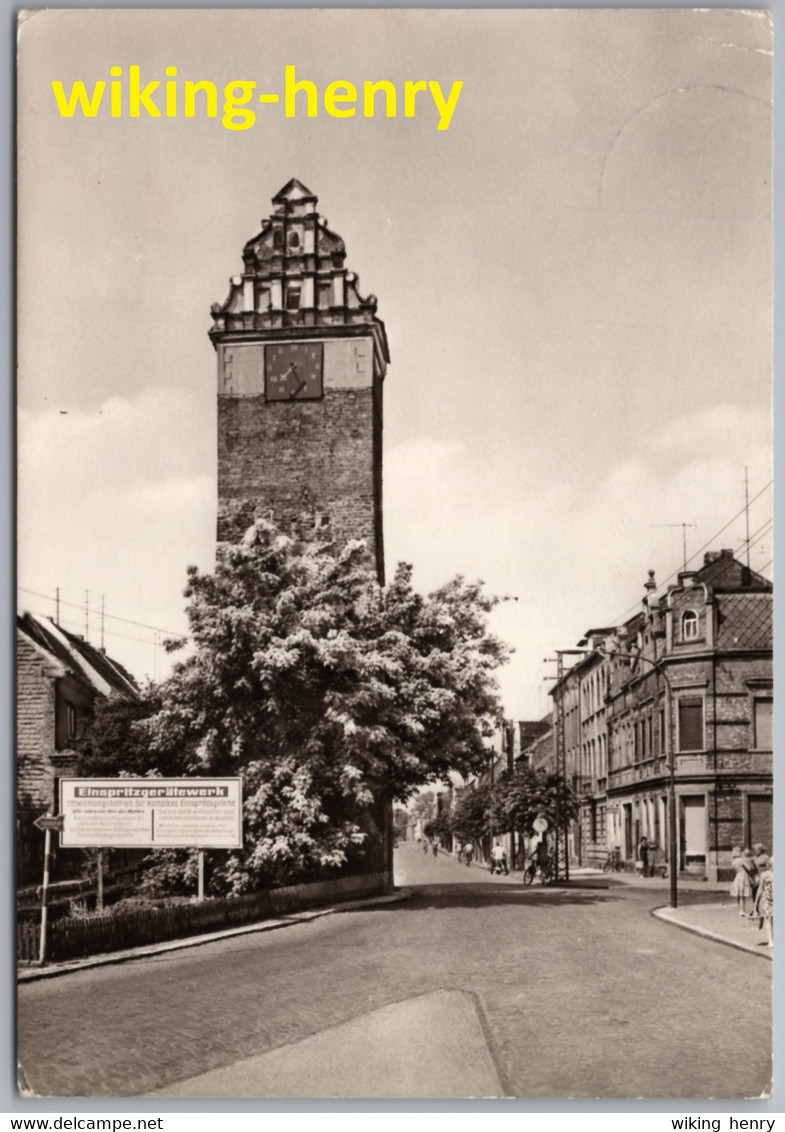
(673, 862)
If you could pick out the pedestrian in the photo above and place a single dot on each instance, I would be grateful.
(643, 856)
(499, 860)
(425, 844)
(763, 907)
(760, 855)
(468, 852)
(742, 888)
(435, 846)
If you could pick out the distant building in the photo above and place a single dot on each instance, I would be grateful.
(59, 679)
(689, 678)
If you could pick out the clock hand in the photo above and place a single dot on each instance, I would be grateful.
(297, 390)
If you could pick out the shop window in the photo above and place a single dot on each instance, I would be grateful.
(691, 723)
(689, 625)
(762, 720)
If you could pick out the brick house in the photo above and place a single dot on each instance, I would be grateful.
(59, 678)
(688, 679)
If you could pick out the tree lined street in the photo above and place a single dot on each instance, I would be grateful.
(578, 992)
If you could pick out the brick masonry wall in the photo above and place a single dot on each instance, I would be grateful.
(35, 744)
(35, 729)
(303, 458)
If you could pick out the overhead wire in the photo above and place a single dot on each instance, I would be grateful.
(633, 608)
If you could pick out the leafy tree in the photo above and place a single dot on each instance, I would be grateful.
(401, 822)
(519, 798)
(470, 819)
(440, 826)
(317, 686)
(110, 743)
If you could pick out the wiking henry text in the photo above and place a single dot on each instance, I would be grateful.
(129, 96)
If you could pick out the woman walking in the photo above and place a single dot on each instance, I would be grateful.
(764, 901)
(743, 887)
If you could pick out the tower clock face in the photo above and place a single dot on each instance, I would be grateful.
(293, 371)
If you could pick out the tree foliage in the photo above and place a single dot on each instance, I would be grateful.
(513, 801)
(110, 743)
(319, 688)
(470, 819)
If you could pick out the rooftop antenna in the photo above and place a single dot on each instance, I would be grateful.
(57, 606)
(683, 536)
(87, 615)
(747, 510)
(102, 623)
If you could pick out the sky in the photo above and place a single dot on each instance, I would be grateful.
(575, 278)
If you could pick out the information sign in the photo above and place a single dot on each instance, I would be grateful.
(151, 813)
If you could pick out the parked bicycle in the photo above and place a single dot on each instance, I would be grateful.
(614, 863)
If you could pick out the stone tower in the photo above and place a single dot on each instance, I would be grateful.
(301, 364)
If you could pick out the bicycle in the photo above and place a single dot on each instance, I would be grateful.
(543, 873)
(614, 863)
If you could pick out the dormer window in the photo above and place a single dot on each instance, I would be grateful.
(689, 625)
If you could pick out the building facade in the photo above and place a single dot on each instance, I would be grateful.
(679, 697)
(60, 677)
(301, 365)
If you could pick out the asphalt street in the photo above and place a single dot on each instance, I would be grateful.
(473, 986)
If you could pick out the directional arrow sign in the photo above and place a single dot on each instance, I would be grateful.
(49, 821)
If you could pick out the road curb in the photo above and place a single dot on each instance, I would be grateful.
(110, 958)
(663, 913)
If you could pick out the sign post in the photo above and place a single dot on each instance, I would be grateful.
(46, 822)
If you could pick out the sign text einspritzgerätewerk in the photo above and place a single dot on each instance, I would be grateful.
(172, 98)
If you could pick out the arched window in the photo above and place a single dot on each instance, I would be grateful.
(294, 240)
(689, 625)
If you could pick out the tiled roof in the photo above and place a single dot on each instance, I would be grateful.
(102, 673)
(723, 571)
(745, 620)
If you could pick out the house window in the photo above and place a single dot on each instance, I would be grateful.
(278, 238)
(691, 723)
(294, 240)
(292, 298)
(762, 716)
(689, 625)
(70, 720)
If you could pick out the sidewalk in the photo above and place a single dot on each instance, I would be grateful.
(720, 922)
(105, 959)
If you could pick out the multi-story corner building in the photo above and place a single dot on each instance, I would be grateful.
(680, 695)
